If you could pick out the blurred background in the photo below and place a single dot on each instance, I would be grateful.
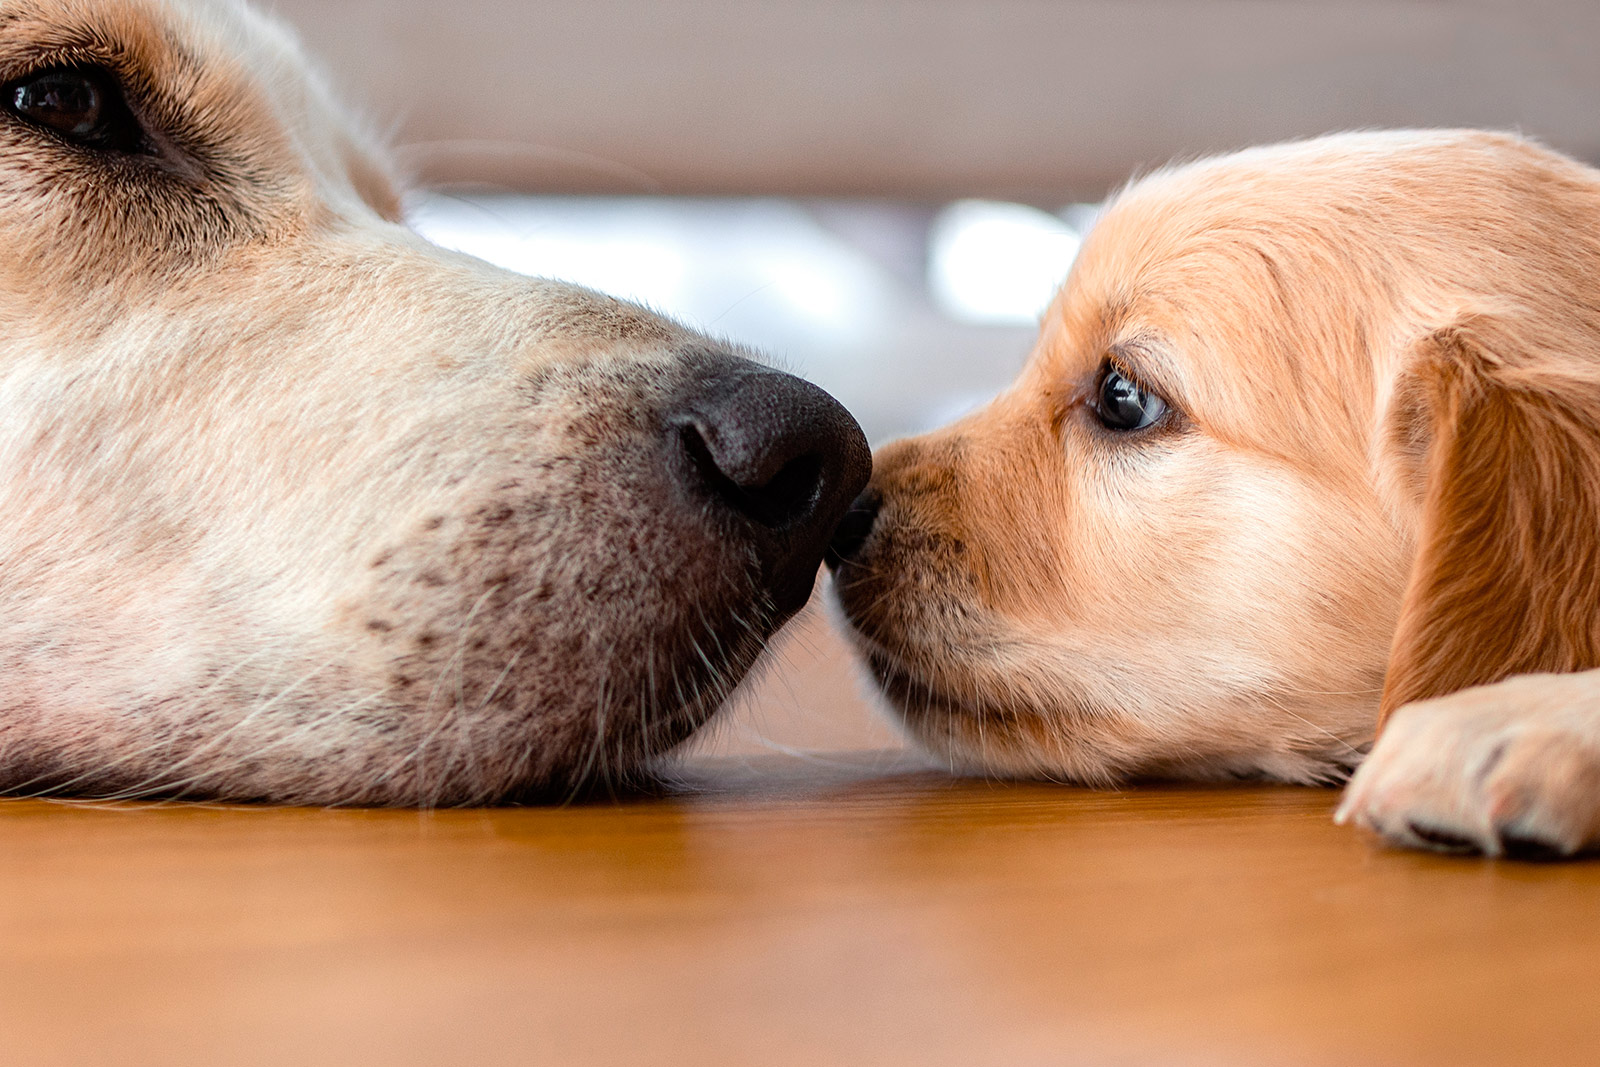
(881, 195)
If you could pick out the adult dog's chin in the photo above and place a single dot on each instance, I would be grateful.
(677, 693)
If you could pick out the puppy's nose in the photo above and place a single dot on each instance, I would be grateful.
(782, 456)
(854, 529)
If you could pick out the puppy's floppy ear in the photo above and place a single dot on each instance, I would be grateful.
(1504, 432)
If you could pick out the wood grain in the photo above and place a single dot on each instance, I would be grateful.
(849, 910)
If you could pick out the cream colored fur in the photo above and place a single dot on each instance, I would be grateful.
(297, 506)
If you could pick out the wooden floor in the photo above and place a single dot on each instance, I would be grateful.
(814, 911)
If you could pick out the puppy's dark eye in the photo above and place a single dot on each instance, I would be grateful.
(81, 104)
(1123, 405)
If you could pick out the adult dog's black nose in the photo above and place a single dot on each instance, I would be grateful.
(780, 455)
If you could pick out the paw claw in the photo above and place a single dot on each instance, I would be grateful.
(1531, 849)
(1511, 769)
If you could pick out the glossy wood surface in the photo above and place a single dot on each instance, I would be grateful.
(850, 910)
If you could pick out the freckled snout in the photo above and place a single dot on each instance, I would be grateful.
(777, 455)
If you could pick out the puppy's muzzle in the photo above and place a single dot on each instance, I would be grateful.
(778, 456)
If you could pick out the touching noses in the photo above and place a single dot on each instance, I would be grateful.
(780, 456)
(854, 529)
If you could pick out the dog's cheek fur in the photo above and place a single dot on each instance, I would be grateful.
(403, 533)
(571, 622)
(1005, 558)
(554, 619)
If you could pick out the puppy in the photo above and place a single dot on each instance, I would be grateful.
(300, 508)
(1307, 454)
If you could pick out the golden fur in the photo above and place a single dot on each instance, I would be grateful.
(1378, 484)
(298, 506)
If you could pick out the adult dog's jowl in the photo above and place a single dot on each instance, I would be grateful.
(298, 507)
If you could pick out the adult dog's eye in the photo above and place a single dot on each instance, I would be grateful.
(1122, 404)
(81, 104)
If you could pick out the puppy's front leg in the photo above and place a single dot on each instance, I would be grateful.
(1506, 769)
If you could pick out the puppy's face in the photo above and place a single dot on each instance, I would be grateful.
(299, 507)
(1181, 542)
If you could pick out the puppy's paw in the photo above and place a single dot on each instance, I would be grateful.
(1508, 769)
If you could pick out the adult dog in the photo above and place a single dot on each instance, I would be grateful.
(300, 508)
(1310, 443)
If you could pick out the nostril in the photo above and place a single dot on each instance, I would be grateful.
(790, 496)
(776, 501)
(774, 453)
(854, 528)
